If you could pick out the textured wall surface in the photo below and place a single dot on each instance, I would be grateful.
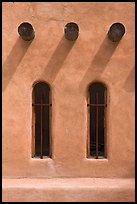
(68, 67)
(68, 190)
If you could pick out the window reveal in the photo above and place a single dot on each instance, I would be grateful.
(41, 106)
(97, 118)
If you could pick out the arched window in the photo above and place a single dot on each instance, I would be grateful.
(97, 103)
(41, 121)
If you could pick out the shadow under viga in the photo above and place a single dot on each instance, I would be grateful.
(129, 84)
(57, 59)
(100, 60)
(13, 60)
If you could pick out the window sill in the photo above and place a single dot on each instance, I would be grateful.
(44, 158)
(99, 159)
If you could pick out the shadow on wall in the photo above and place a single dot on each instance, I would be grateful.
(57, 59)
(13, 60)
(129, 84)
(100, 61)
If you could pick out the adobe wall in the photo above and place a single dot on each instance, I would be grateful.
(69, 68)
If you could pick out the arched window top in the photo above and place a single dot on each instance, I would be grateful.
(41, 83)
(97, 85)
(97, 89)
(41, 90)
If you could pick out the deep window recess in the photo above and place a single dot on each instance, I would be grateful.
(41, 107)
(97, 119)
